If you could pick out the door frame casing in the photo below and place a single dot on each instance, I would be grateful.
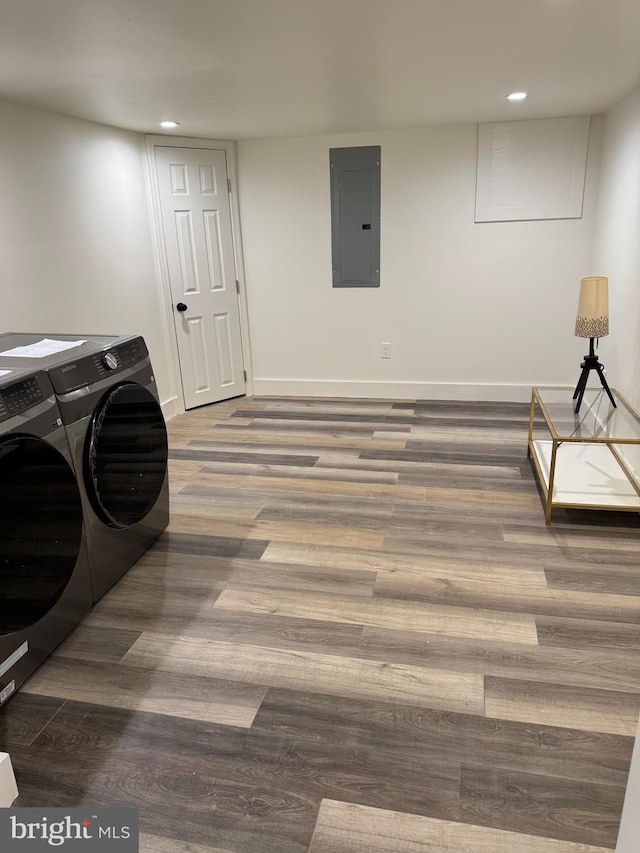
(230, 149)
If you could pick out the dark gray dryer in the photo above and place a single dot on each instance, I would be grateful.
(44, 571)
(108, 401)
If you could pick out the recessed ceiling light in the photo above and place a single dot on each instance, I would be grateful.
(169, 124)
(517, 96)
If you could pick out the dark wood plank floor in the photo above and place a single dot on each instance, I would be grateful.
(357, 636)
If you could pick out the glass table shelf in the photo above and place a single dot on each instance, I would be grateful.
(589, 459)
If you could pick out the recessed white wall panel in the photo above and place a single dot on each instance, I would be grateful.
(213, 240)
(187, 251)
(531, 169)
(223, 341)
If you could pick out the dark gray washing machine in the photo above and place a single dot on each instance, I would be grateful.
(109, 405)
(44, 568)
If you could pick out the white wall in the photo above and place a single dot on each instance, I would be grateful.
(471, 310)
(616, 251)
(617, 254)
(617, 242)
(630, 821)
(75, 235)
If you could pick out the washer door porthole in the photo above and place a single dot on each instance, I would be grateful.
(40, 529)
(125, 455)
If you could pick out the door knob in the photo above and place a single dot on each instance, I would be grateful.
(181, 306)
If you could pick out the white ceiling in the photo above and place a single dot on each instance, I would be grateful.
(234, 69)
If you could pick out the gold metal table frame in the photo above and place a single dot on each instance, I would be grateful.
(591, 459)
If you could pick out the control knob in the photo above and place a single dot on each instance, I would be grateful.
(110, 361)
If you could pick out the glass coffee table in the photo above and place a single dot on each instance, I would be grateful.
(589, 459)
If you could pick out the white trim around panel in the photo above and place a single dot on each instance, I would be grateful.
(531, 169)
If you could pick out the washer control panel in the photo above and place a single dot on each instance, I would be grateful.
(19, 397)
(120, 357)
(98, 365)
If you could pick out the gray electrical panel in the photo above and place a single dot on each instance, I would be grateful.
(355, 216)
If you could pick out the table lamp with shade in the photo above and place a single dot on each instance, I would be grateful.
(592, 321)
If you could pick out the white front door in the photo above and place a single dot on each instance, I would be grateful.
(196, 225)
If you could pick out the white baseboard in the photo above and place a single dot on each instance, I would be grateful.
(170, 408)
(8, 786)
(391, 390)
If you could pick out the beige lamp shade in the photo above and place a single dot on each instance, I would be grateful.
(592, 320)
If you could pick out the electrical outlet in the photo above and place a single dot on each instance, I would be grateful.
(385, 350)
